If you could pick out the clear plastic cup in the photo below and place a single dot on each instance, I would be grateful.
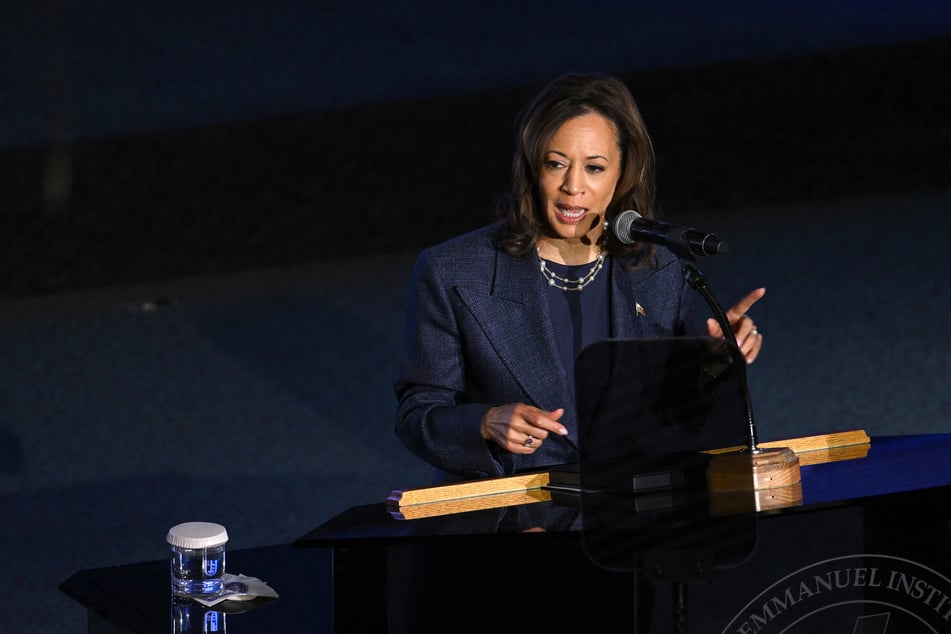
(198, 558)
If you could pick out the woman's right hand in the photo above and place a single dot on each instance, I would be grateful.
(521, 428)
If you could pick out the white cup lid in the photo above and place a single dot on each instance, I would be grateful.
(197, 535)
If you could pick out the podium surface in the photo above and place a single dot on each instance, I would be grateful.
(875, 529)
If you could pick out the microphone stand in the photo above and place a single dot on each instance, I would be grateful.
(770, 468)
(698, 282)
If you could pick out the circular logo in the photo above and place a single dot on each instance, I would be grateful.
(872, 594)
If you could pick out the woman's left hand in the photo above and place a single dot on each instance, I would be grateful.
(748, 338)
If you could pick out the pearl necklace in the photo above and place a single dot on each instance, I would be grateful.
(567, 284)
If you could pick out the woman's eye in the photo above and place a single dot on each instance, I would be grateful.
(553, 165)
(595, 169)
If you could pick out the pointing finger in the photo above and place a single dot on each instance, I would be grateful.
(745, 304)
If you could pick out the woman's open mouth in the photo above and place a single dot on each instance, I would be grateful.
(570, 215)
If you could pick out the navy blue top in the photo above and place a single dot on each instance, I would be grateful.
(579, 317)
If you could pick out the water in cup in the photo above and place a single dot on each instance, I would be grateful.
(198, 558)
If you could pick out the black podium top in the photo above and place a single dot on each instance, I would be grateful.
(523, 567)
(893, 464)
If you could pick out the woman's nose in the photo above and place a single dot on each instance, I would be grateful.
(571, 184)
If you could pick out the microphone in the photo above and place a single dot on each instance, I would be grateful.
(630, 227)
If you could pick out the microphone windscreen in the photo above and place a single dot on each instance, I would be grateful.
(622, 225)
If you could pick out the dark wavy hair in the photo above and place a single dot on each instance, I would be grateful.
(565, 98)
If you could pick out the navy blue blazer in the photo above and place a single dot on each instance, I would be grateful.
(478, 334)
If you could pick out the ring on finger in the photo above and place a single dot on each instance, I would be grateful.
(528, 441)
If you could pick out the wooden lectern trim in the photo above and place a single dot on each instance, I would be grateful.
(810, 450)
(505, 484)
(834, 454)
(476, 503)
(807, 444)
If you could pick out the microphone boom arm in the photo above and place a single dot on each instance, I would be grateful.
(698, 282)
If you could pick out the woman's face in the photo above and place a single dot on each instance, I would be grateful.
(579, 172)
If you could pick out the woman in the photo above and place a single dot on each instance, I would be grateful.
(496, 317)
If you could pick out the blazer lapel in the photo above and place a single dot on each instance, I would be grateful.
(647, 301)
(626, 302)
(515, 313)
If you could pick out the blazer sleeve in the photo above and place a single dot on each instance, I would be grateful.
(433, 419)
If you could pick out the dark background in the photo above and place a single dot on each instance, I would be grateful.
(208, 215)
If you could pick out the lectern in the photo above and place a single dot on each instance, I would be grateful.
(868, 537)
